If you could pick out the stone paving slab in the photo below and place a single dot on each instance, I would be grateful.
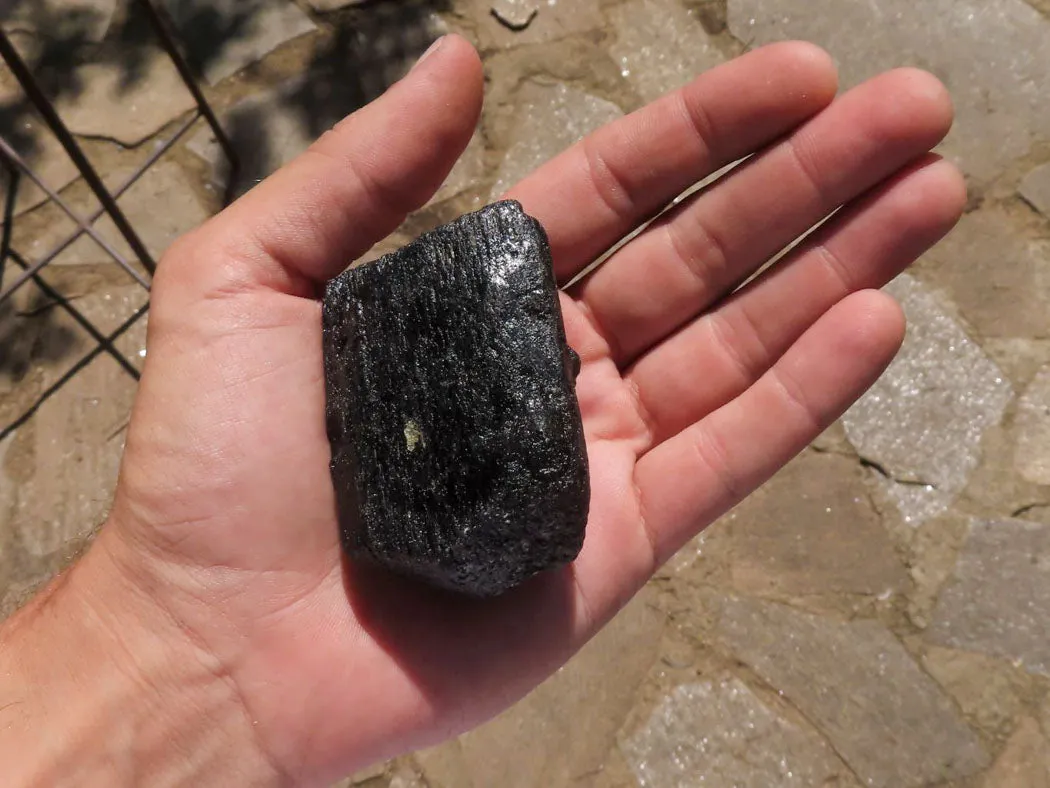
(109, 105)
(378, 47)
(550, 118)
(100, 102)
(229, 35)
(58, 471)
(660, 46)
(86, 20)
(993, 55)
(1032, 425)
(998, 602)
(855, 682)
(79, 430)
(161, 206)
(8, 499)
(1024, 763)
(922, 422)
(273, 125)
(998, 277)
(991, 692)
(43, 153)
(813, 530)
(264, 131)
(719, 734)
(1035, 188)
(569, 722)
(555, 19)
(132, 343)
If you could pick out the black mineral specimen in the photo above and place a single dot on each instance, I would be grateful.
(457, 446)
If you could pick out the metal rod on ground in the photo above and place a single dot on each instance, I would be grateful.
(167, 40)
(12, 154)
(26, 275)
(13, 176)
(25, 78)
(106, 344)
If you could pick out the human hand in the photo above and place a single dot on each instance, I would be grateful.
(219, 579)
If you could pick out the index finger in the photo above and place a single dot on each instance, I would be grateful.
(597, 191)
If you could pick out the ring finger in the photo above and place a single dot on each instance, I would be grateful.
(695, 254)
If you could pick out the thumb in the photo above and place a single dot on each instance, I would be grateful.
(350, 189)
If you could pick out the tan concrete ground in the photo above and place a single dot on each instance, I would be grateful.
(878, 614)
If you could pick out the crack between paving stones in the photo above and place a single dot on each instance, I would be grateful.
(121, 143)
(817, 730)
(118, 430)
(880, 469)
(837, 452)
(1029, 507)
(135, 144)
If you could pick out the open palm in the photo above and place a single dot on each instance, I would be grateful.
(691, 397)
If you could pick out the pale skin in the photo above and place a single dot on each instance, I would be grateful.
(215, 635)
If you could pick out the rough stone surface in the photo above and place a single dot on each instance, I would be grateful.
(80, 427)
(228, 35)
(86, 20)
(8, 497)
(273, 125)
(855, 682)
(161, 206)
(999, 600)
(999, 278)
(267, 131)
(457, 445)
(700, 547)
(569, 722)
(993, 57)
(1024, 763)
(812, 530)
(1035, 188)
(515, 14)
(718, 734)
(109, 106)
(550, 119)
(377, 48)
(1032, 425)
(556, 19)
(1021, 358)
(660, 46)
(990, 691)
(43, 153)
(922, 421)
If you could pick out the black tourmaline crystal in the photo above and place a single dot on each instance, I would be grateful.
(457, 446)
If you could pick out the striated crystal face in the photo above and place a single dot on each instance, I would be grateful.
(457, 446)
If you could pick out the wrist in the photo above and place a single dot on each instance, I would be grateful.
(100, 685)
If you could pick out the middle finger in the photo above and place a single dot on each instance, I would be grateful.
(695, 254)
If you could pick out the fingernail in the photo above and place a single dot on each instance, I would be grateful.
(433, 48)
